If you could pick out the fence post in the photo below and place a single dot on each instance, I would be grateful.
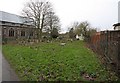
(107, 45)
(119, 55)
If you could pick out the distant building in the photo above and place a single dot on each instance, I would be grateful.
(80, 37)
(117, 26)
(16, 27)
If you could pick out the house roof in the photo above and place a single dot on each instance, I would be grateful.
(8, 17)
(118, 24)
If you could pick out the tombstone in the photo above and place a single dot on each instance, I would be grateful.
(62, 44)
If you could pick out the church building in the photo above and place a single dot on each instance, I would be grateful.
(16, 27)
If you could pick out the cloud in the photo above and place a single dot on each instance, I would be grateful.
(100, 13)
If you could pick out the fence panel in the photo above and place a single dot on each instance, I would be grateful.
(107, 45)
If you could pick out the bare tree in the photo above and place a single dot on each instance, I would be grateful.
(38, 11)
(52, 21)
(84, 28)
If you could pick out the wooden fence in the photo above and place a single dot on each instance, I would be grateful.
(107, 45)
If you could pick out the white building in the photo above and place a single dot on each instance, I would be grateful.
(80, 37)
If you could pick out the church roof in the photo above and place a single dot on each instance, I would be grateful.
(8, 17)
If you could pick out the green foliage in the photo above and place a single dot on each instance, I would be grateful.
(52, 62)
(54, 33)
(83, 28)
(71, 33)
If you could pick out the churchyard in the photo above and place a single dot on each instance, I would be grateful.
(56, 61)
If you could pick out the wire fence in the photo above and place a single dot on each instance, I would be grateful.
(107, 45)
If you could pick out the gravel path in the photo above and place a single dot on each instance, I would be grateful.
(8, 74)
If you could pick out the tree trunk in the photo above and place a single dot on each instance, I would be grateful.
(38, 26)
(40, 32)
(42, 21)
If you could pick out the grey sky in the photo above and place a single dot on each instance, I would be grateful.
(100, 13)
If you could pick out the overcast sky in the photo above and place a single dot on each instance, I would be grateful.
(99, 13)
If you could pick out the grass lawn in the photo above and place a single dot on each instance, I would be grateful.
(53, 62)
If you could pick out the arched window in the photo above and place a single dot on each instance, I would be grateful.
(11, 32)
(22, 33)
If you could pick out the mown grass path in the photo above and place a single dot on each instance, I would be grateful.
(53, 62)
